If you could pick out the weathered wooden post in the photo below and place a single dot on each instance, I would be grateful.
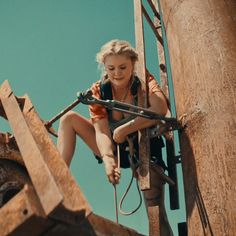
(44, 199)
(202, 44)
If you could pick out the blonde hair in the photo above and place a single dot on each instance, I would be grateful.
(116, 47)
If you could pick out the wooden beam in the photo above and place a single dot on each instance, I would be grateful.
(144, 142)
(106, 227)
(42, 179)
(154, 220)
(41, 156)
(92, 226)
(74, 206)
(23, 215)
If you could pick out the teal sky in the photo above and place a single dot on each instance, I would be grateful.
(47, 50)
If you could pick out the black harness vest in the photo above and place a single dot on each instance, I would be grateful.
(156, 143)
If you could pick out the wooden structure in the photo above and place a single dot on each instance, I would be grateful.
(202, 44)
(50, 203)
(201, 38)
(139, 13)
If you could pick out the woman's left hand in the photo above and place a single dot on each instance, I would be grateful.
(119, 135)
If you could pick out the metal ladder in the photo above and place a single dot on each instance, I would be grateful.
(158, 28)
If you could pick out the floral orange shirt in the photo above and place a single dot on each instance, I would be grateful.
(98, 112)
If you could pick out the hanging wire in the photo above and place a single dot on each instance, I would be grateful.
(124, 195)
(132, 165)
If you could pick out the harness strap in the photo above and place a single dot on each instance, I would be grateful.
(106, 90)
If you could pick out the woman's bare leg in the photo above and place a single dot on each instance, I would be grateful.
(71, 124)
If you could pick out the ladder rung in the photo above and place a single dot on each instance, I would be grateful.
(156, 13)
(152, 25)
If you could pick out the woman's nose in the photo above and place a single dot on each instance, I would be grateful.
(117, 72)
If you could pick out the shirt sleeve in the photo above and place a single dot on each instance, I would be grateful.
(97, 112)
(153, 85)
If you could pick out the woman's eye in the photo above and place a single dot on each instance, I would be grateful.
(111, 69)
(123, 68)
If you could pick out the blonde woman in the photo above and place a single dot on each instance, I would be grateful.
(106, 128)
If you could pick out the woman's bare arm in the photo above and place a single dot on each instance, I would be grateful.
(106, 148)
(158, 104)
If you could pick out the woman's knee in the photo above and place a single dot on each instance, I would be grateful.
(69, 117)
(77, 123)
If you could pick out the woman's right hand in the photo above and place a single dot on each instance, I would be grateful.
(111, 169)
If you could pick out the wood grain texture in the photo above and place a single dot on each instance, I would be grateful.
(201, 37)
(42, 179)
(144, 143)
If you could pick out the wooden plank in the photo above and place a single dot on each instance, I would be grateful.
(144, 142)
(140, 47)
(92, 226)
(153, 211)
(74, 206)
(22, 215)
(103, 226)
(42, 179)
(154, 220)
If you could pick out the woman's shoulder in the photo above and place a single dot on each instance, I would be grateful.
(152, 83)
(150, 78)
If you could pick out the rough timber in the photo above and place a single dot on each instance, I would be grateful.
(51, 203)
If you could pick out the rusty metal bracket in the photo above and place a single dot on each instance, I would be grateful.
(167, 123)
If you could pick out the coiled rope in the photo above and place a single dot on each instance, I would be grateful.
(132, 165)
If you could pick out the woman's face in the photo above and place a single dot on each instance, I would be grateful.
(119, 69)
